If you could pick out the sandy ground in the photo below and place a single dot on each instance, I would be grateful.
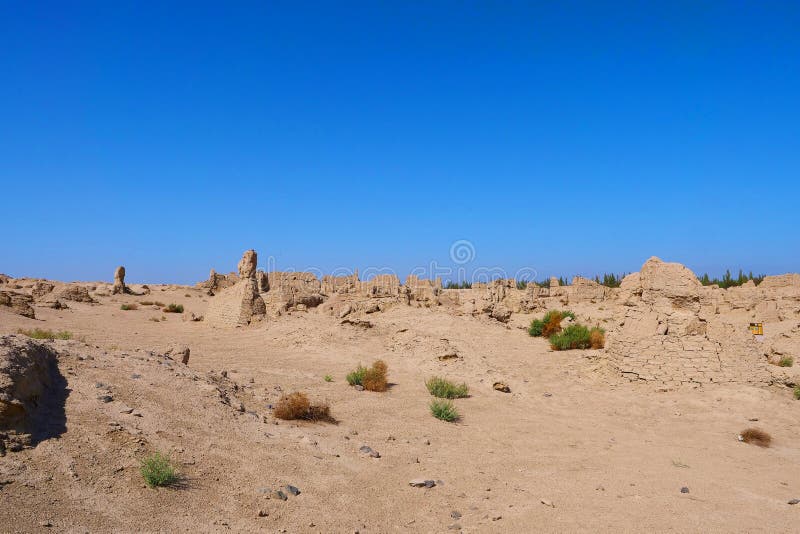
(572, 448)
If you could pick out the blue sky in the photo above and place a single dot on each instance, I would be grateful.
(563, 137)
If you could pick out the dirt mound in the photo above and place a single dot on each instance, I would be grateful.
(27, 380)
(18, 303)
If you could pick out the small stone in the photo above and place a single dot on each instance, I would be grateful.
(794, 501)
(684, 490)
(547, 503)
(370, 451)
(46, 524)
(455, 514)
(359, 387)
(753, 419)
(136, 376)
(454, 526)
(263, 513)
(125, 409)
(281, 495)
(500, 386)
(105, 398)
(422, 483)
(548, 394)
(293, 490)
(263, 491)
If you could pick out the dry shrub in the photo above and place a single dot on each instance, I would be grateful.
(552, 326)
(597, 338)
(756, 437)
(297, 406)
(375, 377)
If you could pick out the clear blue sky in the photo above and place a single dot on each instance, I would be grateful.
(567, 137)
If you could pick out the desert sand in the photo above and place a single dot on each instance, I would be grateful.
(641, 435)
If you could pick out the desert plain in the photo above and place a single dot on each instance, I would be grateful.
(642, 435)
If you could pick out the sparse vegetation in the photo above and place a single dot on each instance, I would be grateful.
(146, 302)
(444, 389)
(157, 470)
(786, 361)
(356, 377)
(328, 378)
(756, 437)
(371, 378)
(444, 410)
(575, 336)
(522, 284)
(128, 307)
(597, 337)
(728, 281)
(297, 406)
(797, 392)
(375, 377)
(173, 308)
(38, 333)
(550, 324)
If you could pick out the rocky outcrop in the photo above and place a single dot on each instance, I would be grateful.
(293, 289)
(26, 375)
(18, 303)
(71, 292)
(669, 333)
(119, 282)
(218, 281)
(41, 289)
(240, 304)
(247, 265)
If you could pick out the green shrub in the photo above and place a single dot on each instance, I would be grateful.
(173, 308)
(444, 389)
(575, 336)
(328, 378)
(38, 333)
(550, 324)
(444, 410)
(797, 392)
(356, 377)
(157, 470)
(537, 325)
(128, 307)
(786, 361)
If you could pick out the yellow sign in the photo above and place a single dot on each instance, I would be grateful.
(757, 329)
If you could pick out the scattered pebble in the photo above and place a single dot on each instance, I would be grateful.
(105, 398)
(263, 513)
(359, 387)
(455, 514)
(500, 386)
(281, 495)
(422, 483)
(293, 490)
(684, 490)
(370, 451)
(547, 503)
(548, 394)
(794, 501)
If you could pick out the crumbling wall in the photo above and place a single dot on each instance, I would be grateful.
(669, 332)
(240, 304)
